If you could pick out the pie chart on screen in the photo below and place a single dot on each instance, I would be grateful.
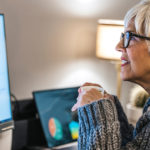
(55, 128)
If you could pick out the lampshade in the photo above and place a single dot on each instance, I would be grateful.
(108, 35)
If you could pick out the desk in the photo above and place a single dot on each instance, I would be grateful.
(6, 140)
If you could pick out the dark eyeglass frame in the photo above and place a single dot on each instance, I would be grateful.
(128, 36)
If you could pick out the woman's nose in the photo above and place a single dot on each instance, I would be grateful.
(119, 46)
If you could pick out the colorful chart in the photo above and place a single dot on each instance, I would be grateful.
(55, 129)
(74, 129)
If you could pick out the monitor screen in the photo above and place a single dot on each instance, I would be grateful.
(60, 125)
(5, 102)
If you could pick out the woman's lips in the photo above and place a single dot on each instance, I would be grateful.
(124, 62)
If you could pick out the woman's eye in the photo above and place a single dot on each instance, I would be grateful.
(133, 38)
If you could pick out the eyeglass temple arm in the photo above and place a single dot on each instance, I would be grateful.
(140, 36)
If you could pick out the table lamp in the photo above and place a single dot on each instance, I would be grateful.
(108, 35)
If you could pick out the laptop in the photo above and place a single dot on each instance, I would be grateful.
(59, 124)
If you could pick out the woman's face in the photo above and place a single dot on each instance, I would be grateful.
(135, 58)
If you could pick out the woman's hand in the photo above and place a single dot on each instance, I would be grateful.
(90, 95)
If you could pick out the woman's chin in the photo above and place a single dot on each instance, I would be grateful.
(125, 77)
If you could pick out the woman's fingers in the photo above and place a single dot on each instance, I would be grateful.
(87, 97)
(90, 92)
(74, 108)
(90, 84)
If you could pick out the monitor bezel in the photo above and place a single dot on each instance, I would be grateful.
(9, 123)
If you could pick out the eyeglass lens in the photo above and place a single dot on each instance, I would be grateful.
(126, 39)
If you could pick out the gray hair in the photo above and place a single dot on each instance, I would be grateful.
(140, 14)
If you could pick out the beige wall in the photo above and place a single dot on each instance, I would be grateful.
(49, 40)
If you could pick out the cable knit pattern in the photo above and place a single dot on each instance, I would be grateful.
(126, 129)
(104, 126)
(99, 126)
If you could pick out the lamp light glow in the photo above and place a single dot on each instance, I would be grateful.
(108, 35)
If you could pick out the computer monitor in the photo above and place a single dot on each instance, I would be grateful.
(60, 125)
(6, 121)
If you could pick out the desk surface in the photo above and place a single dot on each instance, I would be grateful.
(45, 148)
(70, 146)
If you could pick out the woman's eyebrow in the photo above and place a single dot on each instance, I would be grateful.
(130, 31)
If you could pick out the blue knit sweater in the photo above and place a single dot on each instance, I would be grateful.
(104, 126)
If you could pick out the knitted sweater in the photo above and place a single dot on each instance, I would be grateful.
(103, 125)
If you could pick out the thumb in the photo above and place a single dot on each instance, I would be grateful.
(75, 106)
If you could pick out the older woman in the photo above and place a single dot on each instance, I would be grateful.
(103, 124)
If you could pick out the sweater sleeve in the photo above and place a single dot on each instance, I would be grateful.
(126, 129)
(99, 126)
(100, 129)
(141, 141)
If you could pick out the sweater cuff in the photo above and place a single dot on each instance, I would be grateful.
(97, 114)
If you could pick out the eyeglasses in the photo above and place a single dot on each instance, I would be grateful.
(127, 37)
